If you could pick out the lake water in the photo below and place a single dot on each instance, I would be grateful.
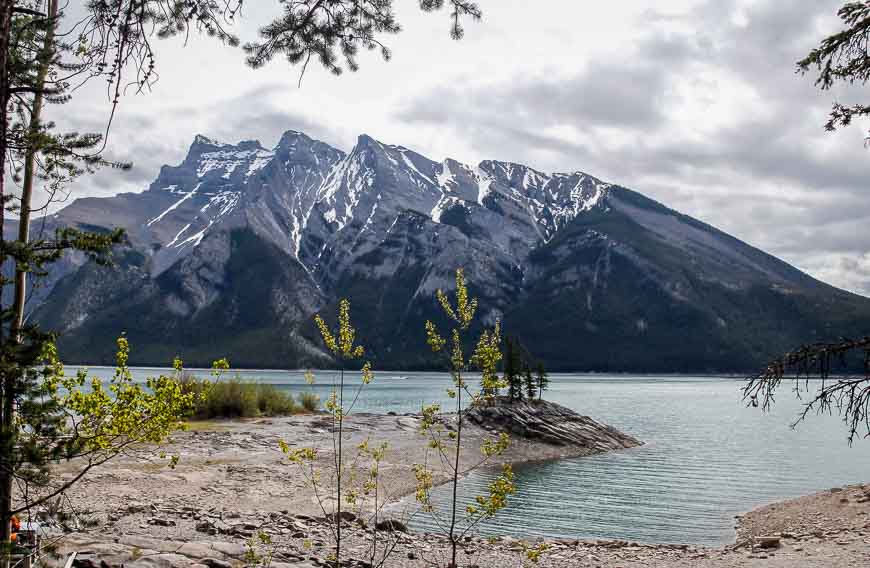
(707, 457)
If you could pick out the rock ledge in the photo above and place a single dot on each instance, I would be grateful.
(550, 423)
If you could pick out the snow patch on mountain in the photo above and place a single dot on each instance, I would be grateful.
(230, 159)
(484, 186)
(175, 205)
(178, 235)
(443, 204)
(197, 238)
(224, 201)
(410, 163)
(446, 178)
(259, 161)
(366, 189)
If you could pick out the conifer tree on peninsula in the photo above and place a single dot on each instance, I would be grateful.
(541, 379)
(513, 369)
(529, 382)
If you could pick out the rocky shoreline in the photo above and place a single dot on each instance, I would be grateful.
(233, 484)
(551, 424)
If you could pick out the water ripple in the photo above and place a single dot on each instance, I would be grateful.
(707, 457)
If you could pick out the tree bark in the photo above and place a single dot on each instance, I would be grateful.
(20, 290)
(340, 471)
(456, 471)
(8, 388)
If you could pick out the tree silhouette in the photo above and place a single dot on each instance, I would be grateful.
(541, 379)
(841, 58)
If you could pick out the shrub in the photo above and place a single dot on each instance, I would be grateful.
(235, 398)
(309, 401)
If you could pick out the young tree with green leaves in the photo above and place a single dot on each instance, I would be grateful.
(84, 421)
(446, 442)
(341, 343)
(350, 490)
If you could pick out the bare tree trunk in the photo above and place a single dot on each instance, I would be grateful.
(7, 408)
(456, 471)
(6, 7)
(20, 282)
(340, 466)
(29, 167)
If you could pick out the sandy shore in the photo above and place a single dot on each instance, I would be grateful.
(233, 482)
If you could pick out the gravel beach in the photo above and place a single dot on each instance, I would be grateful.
(233, 482)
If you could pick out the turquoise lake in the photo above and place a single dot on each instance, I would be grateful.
(706, 458)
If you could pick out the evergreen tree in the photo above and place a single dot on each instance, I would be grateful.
(33, 428)
(842, 58)
(529, 382)
(513, 368)
(541, 379)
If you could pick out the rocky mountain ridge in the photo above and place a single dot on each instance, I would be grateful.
(233, 250)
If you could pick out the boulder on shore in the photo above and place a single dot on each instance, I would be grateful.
(550, 423)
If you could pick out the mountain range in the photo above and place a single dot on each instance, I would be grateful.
(234, 250)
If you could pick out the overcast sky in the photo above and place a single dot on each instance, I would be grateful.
(695, 103)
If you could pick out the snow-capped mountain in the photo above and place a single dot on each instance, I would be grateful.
(233, 251)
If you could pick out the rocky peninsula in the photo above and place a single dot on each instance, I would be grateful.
(550, 424)
(232, 483)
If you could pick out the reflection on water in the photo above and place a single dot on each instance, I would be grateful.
(707, 457)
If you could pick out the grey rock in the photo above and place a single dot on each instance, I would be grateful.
(197, 550)
(167, 560)
(205, 527)
(233, 550)
(550, 423)
(86, 560)
(215, 563)
(346, 516)
(134, 508)
(767, 541)
(391, 525)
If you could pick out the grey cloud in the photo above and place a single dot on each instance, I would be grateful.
(854, 272)
(629, 93)
(601, 94)
(791, 188)
(230, 121)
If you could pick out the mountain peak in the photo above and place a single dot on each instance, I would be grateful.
(201, 145)
(250, 145)
(202, 140)
(291, 138)
(364, 142)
